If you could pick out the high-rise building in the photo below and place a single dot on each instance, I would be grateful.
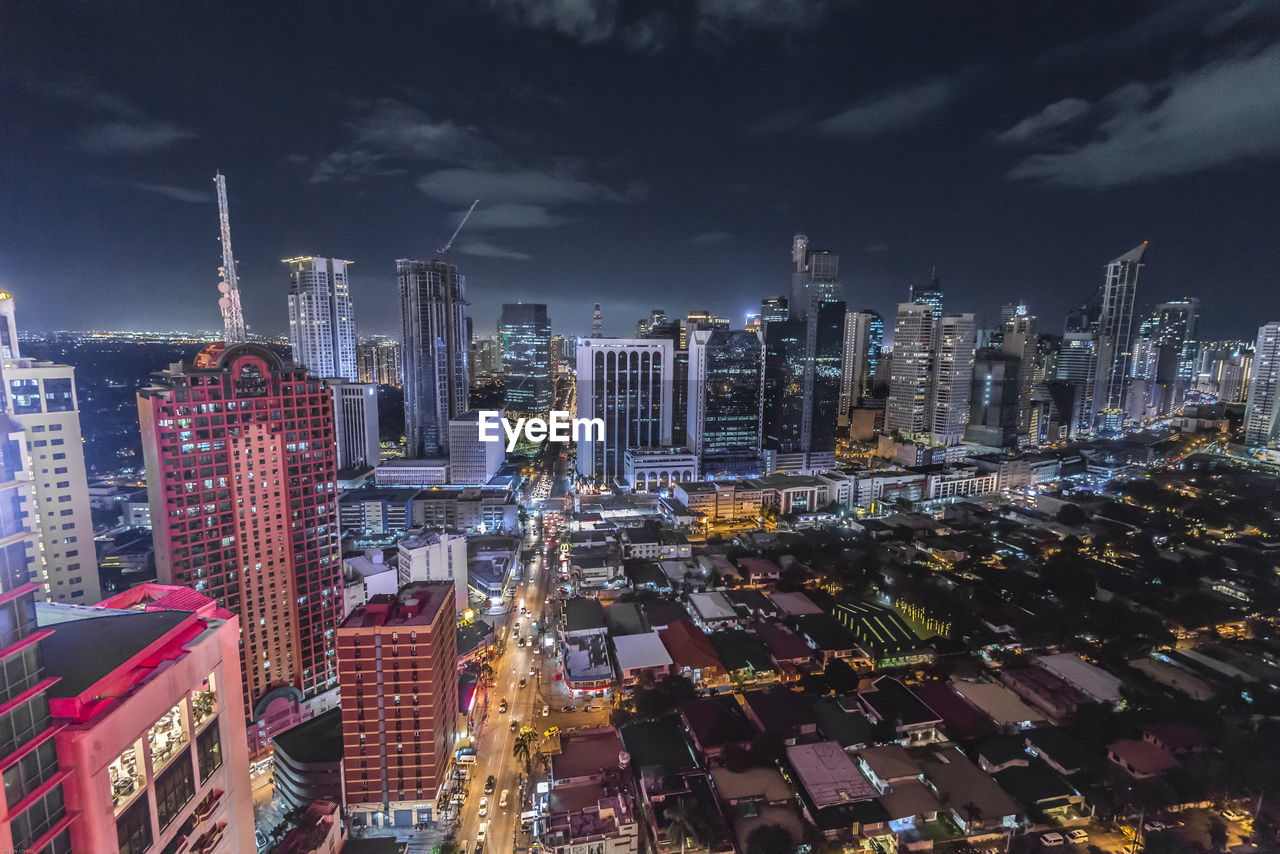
(434, 352)
(322, 323)
(559, 353)
(627, 382)
(156, 751)
(378, 362)
(471, 461)
(726, 393)
(526, 356)
(932, 368)
(1077, 366)
(33, 815)
(815, 277)
(930, 296)
(1021, 340)
(1175, 333)
(397, 665)
(42, 397)
(774, 309)
(439, 555)
(863, 334)
(355, 422)
(995, 399)
(784, 384)
(241, 464)
(1115, 338)
(1262, 412)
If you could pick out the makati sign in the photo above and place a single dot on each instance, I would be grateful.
(561, 427)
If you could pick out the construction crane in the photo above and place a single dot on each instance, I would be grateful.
(450, 335)
(229, 286)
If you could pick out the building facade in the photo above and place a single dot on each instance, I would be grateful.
(471, 461)
(434, 556)
(322, 322)
(526, 356)
(433, 353)
(397, 664)
(1115, 338)
(628, 383)
(355, 421)
(152, 720)
(726, 393)
(242, 479)
(378, 362)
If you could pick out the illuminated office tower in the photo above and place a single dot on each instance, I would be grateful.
(628, 382)
(241, 464)
(42, 397)
(952, 376)
(1115, 338)
(526, 356)
(1077, 366)
(726, 374)
(1262, 412)
(911, 369)
(433, 354)
(1020, 341)
(774, 310)
(863, 332)
(322, 323)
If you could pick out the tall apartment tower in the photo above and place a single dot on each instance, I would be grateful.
(1021, 339)
(1077, 367)
(952, 376)
(355, 424)
(242, 481)
(398, 668)
(433, 353)
(726, 393)
(526, 356)
(1115, 338)
(911, 369)
(628, 382)
(33, 813)
(1262, 412)
(863, 333)
(378, 362)
(42, 398)
(322, 323)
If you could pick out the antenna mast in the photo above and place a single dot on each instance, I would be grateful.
(229, 286)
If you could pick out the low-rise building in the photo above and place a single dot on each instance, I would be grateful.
(308, 761)
(591, 803)
(641, 654)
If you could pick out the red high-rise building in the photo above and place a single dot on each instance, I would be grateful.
(242, 478)
(397, 666)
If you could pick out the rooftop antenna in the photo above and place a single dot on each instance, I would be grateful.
(229, 286)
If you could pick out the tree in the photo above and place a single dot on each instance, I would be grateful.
(769, 839)
(840, 676)
(903, 504)
(1071, 514)
(448, 846)
(680, 823)
(523, 748)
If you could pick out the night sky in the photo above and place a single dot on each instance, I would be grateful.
(644, 154)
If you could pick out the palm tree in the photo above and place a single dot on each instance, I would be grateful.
(680, 821)
(523, 748)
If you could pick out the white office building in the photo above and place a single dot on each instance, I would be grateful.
(322, 323)
(1262, 412)
(627, 382)
(434, 556)
(471, 461)
(355, 423)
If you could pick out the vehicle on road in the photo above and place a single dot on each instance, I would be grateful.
(502, 707)
(481, 831)
(533, 669)
(515, 725)
(260, 838)
(569, 708)
(484, 806)
(1077, 836)
(591, 708)
(1052, 840)
(546, 710)
(489, 785)
(502, 801)
(1234, 814)
(1154, 826)
(558, 676)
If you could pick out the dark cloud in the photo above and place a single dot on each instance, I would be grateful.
(1033, 128)
(484, 249)
(894, 111)
(710, 238)
(1219, 114)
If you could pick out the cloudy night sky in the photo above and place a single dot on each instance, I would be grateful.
(646, 154)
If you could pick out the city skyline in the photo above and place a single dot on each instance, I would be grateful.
(1041, 181)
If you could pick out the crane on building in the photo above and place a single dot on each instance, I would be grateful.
(229, 285)
(450, 335)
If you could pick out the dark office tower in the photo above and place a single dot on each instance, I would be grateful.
(726, 375)
(995, 399)
(1115, 338)
(930, 296)
(433, 353)
(828, 356)
(33, 816)
(817, 300)
(1175, 324)
(1020, 341)
(774, 309)
(627, 383)
(784, 363)
(526, 356)
(645, 325)
(815, 277)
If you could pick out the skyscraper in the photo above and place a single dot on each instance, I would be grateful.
(433, 354)
(784, 362)
(355, 422)
(952, 375)
(774, 309)
(322, 323)
(42, 398)
(1262, 412)
(378, 362)
(628, 383)
(726, 393)
(241, 475)
(1077, 366)
(397, 662)
(863, 334)
(1020, 341)
(930, 375)
(33, 814)
(1115, 338)
(526, 356)
(994, 403)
